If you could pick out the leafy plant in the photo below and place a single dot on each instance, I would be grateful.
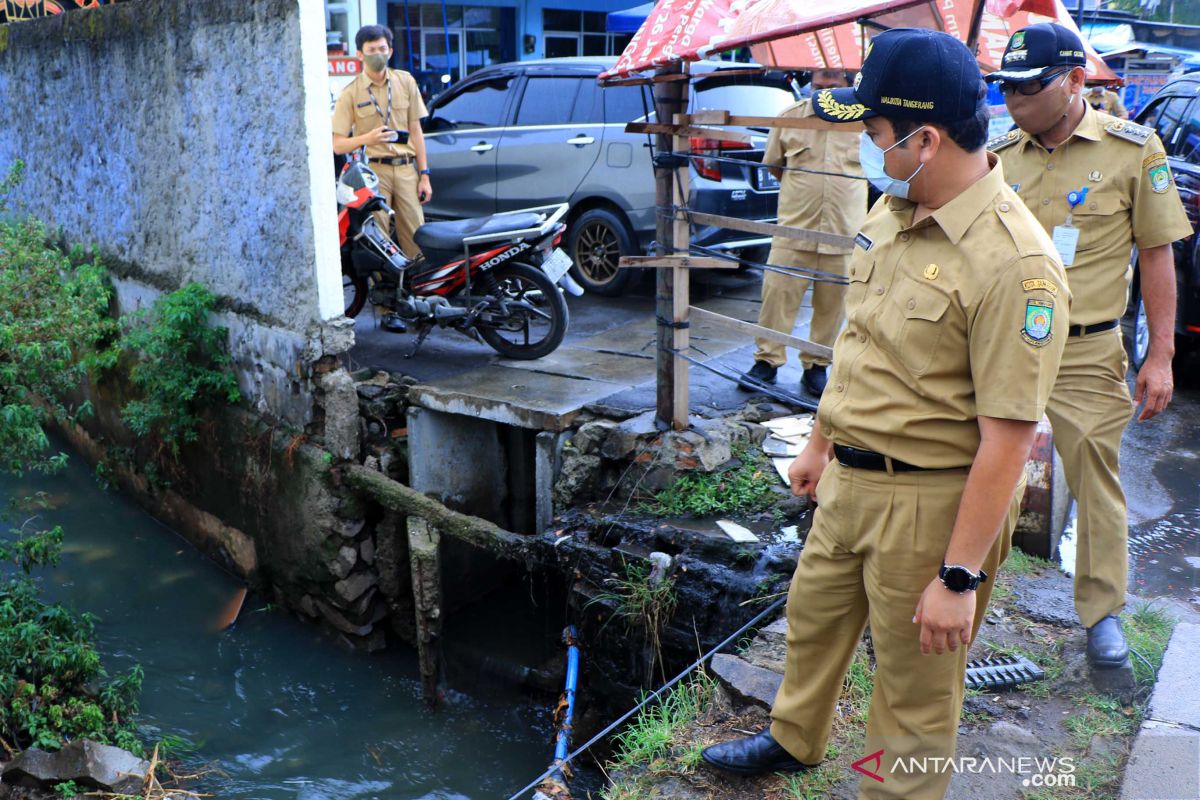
(749, 487)
(67, 789)
(643, 599)
(53, 313)
(181, 366)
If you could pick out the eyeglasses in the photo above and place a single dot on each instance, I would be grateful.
(1030, 87)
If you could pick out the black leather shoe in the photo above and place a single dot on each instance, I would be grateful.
(814, 379)
(1106, 646)
(393, 324)
(752, 755)
(761, 372)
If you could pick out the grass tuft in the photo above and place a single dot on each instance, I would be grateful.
(747, 488)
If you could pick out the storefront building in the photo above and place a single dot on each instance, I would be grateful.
(441, 43)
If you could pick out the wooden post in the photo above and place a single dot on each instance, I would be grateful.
(667, 102)
(424, 556)
(681, 288)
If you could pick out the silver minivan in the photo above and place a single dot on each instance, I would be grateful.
(537, 132)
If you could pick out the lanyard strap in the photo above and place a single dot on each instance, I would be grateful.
(387, 119)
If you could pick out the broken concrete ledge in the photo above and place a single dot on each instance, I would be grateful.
(405, 500)
(1165, 762)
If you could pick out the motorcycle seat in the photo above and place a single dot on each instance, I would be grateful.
(450, 235)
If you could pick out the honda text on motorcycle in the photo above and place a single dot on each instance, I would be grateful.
(495, 279)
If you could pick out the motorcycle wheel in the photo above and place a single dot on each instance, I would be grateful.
(354, 290)
(528, 332)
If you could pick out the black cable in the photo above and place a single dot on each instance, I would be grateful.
(658, 692)
(767, 389)
(817, 275)
(748, 162)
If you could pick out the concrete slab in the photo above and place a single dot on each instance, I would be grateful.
(1175, 699)
(512, 396)
(635, 338)
(749, 683)
(574, 362)
(1164, 764)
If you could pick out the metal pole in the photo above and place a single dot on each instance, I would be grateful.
(976, 24)
(667, 102)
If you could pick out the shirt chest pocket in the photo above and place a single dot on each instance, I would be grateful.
(1098, 218)
(862, 264)
(912, 322)
(796, 155)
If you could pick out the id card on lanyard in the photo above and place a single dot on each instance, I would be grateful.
(1066, 236)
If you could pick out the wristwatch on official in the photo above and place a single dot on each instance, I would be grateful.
(424, 171)
(959, 579)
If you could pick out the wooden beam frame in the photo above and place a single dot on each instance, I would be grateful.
(674, 262)
(805, 347)
(771, 229)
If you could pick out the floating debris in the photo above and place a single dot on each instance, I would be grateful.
(736, 532)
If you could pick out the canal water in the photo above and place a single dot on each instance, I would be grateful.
(282, 711)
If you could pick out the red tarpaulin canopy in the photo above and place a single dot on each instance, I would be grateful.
(825, 33)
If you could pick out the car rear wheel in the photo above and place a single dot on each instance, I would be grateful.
(596, 242)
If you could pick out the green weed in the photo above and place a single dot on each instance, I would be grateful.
(1148, 629)
(650, 736)
(747, 488)
(180, 367)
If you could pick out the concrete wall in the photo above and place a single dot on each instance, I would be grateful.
(190, 142)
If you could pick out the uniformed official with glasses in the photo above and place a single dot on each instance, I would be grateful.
(1099, 185)
(955, 325)
(381, 109)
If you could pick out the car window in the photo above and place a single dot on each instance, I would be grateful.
(548, 100)
(1165, 116)
(479, 105)
(743, 98)
(624, 104)
(589, 104)
(1188, 146)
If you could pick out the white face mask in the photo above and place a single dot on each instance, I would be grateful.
(871, 156)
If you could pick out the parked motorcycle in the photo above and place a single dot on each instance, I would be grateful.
(495, 279)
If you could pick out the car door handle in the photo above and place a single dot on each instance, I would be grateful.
(581, 140)
(482, 147)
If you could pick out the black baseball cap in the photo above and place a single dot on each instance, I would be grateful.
(1038, 50)
(908, 73)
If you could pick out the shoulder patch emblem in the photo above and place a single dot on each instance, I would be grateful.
(1003, 140)
(1039, 317)
(1129, 131)
(1160, 178)
(1039, 283)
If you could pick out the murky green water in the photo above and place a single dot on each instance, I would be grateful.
(282, 710)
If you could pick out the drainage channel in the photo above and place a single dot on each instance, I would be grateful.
(283, 712)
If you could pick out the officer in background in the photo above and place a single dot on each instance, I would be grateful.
(956, 321)
(817, 202)
(1104, 99)
(1098, 185)
(382, 109)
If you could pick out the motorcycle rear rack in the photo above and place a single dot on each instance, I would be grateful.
(1002, 673)
(555, 212)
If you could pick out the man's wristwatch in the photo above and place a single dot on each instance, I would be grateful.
(959, 579)
(424, 171)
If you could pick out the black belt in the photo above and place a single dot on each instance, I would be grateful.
(865, 459)
(395, 161)
(1084, 330)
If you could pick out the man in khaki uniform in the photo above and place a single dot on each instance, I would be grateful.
(1099, 185)
(1106, 100)
(817, 202)
(382, 110)
(955, 325)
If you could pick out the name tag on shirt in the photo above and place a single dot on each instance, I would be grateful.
(862, 241)
(1066, 239)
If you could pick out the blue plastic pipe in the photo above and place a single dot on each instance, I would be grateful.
(563, 746)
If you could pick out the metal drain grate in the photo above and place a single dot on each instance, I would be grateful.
(1002, 673)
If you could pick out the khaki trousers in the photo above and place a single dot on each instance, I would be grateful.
(1088, 410)
(398, 186)
(876, 542)
(781, 296)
